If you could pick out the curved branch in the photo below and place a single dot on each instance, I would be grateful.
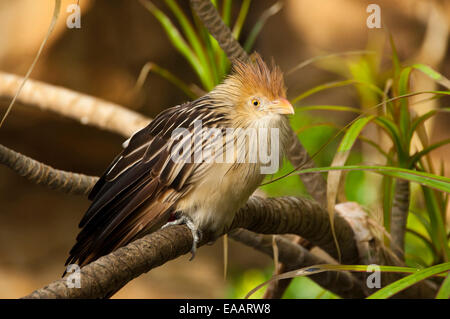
(295, 256)
(36, 172)
(273, 215)
(81, 107)
(277, 288)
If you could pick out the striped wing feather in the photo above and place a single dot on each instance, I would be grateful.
(138, 191)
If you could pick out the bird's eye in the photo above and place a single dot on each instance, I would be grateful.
(255, 102)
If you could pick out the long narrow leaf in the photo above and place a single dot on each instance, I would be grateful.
(152, 67)
(178, 42)
(241, 18)
(311, 270)
(332, 85)
(339, 159)
(440, 183)
(408, 281)
(444, 291)
(192, 37)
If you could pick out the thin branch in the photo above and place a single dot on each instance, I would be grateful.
(81, 107)
(270, 216)
(277, 288)
(314, 183)
(208, 14)
(36, 172)
(295, 256)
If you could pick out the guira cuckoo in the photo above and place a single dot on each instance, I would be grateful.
(144, 189)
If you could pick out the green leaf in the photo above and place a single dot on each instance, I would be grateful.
(226, 11)
(192, 37)
(404, 119)
(440, 183)
(352, 133)
(416, 122)
(241, 19)
(332, 85)
(340, 158)
(408, 281)
(444, 291)
(439, 78)
(328, 108)
(438, 233)
(178, 42)
(152, 67)
(416, 157)
(316, 269)
(395, 60)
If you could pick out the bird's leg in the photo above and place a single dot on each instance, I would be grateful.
(196, 232)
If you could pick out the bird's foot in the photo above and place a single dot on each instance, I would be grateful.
(196, 232)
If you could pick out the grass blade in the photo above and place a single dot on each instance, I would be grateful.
(331, 85)
(444, 291)
(328, 108)
(408, 281)
(178, 42)
(339, 159)
(152, 67)
(440, 183)
(241, 19)
(192, 37)
(311, 270)
(36, 58)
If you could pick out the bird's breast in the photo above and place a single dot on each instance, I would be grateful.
(215, 199)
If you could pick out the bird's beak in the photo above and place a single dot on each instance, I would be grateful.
(282, 106)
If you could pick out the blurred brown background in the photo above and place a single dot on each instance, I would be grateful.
(103, 58)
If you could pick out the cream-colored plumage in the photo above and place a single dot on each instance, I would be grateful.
(144, 188)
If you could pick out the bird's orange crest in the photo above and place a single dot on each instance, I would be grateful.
(257, 77)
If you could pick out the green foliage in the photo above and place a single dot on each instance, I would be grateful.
(383, 103)
(410, 280)
(197, 46)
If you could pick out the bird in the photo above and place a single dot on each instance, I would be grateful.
(144, 189)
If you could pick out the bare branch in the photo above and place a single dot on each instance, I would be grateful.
(81, 107)
(207, 13)
(276, 289)
(294, 256)
(36, 172)
(314, 183)
(273, 215)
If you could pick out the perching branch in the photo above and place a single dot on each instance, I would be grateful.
(81, 107)
(273, 215)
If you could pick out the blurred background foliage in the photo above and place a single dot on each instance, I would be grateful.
(149, 55)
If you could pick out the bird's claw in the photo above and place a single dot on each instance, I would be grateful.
(196, 233)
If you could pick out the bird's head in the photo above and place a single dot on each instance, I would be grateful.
(254, 90)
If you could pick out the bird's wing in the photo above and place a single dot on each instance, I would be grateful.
(138, 191)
